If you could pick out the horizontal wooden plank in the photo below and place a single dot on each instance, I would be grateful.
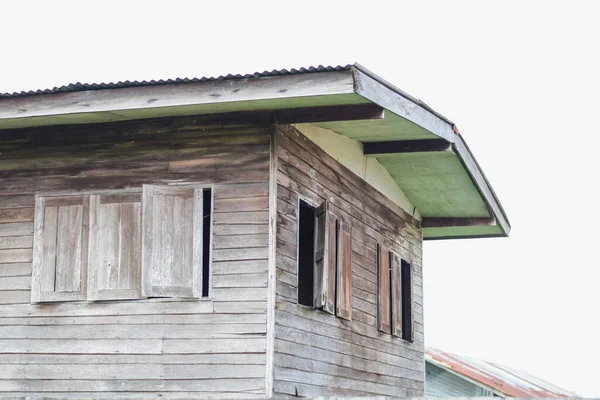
(237, 267)
(239, 241)
(254, 253)
(239, 280)
(242, 307)
(17, 201)
(89, 385)
(140, 394)
(157, 306)
(130, 371)
(241, 191)
(15, 283)
(188, 346)
(228, 313)
(13, 256)
(295, 389)
(239, 294)
(16, 242)
(97, 346)
(15, 296)
(134, 346)
(286, 277)
(15, 269)
(132, 331)
(16, 215)
(99, 359)
(242, 204)
(241, 218)
(286, 263)
(240, 229)
(253, 159)
(287, 249)
(16, 229)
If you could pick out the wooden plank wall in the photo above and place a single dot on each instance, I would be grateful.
(154, 347)
(317, 354)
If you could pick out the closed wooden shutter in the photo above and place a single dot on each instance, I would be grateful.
(331, 262)
(396, 295)
(115, 246)
(172, 241)
(60, 248)
(383, 288)
(344, 271)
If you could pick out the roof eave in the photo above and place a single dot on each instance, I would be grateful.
(386, 95)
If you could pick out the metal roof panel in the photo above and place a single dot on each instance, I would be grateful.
(502, 379)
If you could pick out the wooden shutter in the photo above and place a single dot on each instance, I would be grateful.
(60, 248)
(115, 246)
(172, 241)
(325, 259)
(396, 295)
(319, 269)
(383, 289)
(344, 271)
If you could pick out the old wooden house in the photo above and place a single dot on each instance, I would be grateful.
(240, 236)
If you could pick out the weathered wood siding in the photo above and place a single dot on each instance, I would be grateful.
(319, 354)
(168, 347)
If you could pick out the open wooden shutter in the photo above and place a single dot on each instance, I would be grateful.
(115, 250)
(396, 295)
(383, 289)
(344, 271)
(325, 259)
(172, 241)
(320, 276)
(60, 248)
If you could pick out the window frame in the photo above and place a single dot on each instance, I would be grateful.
(39, 272)
(38, 296)
(326, 279)
(400, 307)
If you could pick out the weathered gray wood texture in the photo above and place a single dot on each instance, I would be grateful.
(319, 354)
(174, 347)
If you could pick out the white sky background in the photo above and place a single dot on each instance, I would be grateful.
(520, 80)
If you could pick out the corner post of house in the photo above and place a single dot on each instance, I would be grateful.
(271, 283)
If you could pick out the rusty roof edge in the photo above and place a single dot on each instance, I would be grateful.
(473, 370)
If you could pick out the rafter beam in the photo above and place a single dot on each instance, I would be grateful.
(378, 149)
(435, 222)
(352, 112)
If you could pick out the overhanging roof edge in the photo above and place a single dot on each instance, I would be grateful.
(481, 183)
(401, 92)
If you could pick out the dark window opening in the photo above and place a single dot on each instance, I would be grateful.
(206, 225)
(390, 257)
(406, 279)
(306, 253)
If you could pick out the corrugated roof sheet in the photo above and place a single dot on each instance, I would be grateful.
(79, 87)
(503, 379)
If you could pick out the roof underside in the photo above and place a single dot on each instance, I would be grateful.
(443, 182)
(495, 377)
